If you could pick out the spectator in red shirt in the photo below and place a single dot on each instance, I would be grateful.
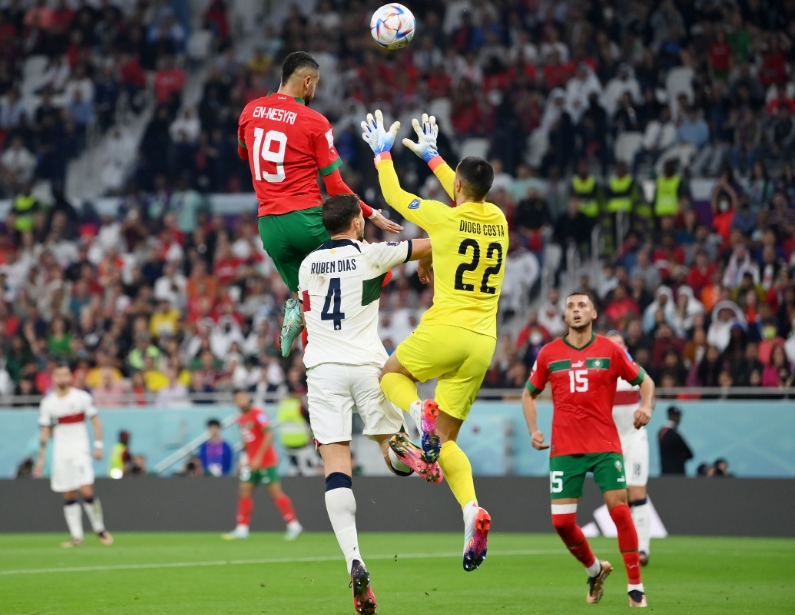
(781, 98)
(701, 272)
(664, 342)
(720, 56)
(622, 308)
(169, 81)
(215, 19)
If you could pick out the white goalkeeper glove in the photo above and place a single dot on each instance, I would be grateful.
(425, 147)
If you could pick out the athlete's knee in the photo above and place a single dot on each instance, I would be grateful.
(564, 523)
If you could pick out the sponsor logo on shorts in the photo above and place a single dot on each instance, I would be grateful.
(618, 465)
(415, 204)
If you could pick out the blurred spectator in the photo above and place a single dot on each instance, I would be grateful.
(120, 459)
(674, 451)
(215, 453)
(174, 393)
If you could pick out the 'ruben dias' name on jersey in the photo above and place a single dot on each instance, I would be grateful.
(325, 267)
(340, 285)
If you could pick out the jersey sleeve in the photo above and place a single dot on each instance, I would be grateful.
(424, 213)
(444, 174)
(90, 409)
(539, 375)
(626, 367)
(262, 419)
(242, 150)
(45, 418)
(325, 154)
(387, 254)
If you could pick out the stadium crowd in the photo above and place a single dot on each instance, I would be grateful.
(166, 299)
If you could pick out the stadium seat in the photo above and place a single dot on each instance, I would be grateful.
(679, 81)
(475, 147)
(33, 74)
(627, 145)
(200, 45)
(441, 108)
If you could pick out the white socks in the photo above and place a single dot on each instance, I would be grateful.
(594, 568)
(638, 587)
(415, 410)
(74, 519)
(642, 518)
(94, 513)
(341, 507)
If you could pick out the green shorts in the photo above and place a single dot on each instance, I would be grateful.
(567, 473)
(289, 238)
(263, 476)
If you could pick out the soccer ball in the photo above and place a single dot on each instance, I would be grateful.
(392, 26)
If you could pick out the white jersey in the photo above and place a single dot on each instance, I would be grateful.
(67, 416)
(626, 401)
(340, 286)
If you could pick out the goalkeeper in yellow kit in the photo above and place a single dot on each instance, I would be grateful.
(456, 338)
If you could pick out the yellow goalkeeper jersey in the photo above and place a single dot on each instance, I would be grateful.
(469, 243)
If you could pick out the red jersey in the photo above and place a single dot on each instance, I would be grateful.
(287, 144)
(583, 387)
(253, 425)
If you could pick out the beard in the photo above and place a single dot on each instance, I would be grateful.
(360, 234)
(580, 327)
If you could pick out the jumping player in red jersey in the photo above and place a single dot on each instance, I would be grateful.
(287, 144)
(583, 369)
(262, 468)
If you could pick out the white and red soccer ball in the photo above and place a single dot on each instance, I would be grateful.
(393, 26)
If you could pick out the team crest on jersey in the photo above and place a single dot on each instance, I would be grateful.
(597, 363)
(415, 204)
(330, 137)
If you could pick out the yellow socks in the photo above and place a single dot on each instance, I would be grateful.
(457, 472)
(400, 390)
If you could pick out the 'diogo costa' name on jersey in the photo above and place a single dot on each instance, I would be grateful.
(487, 230)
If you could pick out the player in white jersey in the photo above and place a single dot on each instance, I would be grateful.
(635, 444)
(340, 288)
(62, 415)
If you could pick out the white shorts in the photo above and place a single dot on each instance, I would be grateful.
(69, 473)
(335, 391)
(636, 457)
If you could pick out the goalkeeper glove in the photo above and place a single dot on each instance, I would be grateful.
(376, 136)
(425, 147)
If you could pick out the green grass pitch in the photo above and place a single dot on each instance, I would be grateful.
(200, 574)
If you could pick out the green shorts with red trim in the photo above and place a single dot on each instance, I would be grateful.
(289, 238)
(262, 476)
(567, 473)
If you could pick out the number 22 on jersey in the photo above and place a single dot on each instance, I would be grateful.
(493, 252)
(264, 150)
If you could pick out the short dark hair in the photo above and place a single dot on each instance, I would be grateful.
(584, 293)
(63, 363)
(213, 423)
(673, 411)
(295, 61)
(477, 175)
(339, 211)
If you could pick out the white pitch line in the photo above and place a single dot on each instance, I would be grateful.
(247, 562)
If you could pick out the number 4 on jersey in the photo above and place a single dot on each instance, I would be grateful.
(334, 295)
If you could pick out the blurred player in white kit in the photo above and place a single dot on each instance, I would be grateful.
(635, 444)
(63, 414)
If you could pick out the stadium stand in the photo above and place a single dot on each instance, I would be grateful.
(643, 151)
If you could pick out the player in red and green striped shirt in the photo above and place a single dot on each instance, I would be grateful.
(583, 369)
(287, 144)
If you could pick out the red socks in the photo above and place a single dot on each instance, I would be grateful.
(627, 541)
(285, 506)
(244, 508)
(567, 528)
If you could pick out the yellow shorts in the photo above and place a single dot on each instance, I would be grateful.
(458, 357)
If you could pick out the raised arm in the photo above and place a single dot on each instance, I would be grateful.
(425, 147)
(336, 185)
(424, 214)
